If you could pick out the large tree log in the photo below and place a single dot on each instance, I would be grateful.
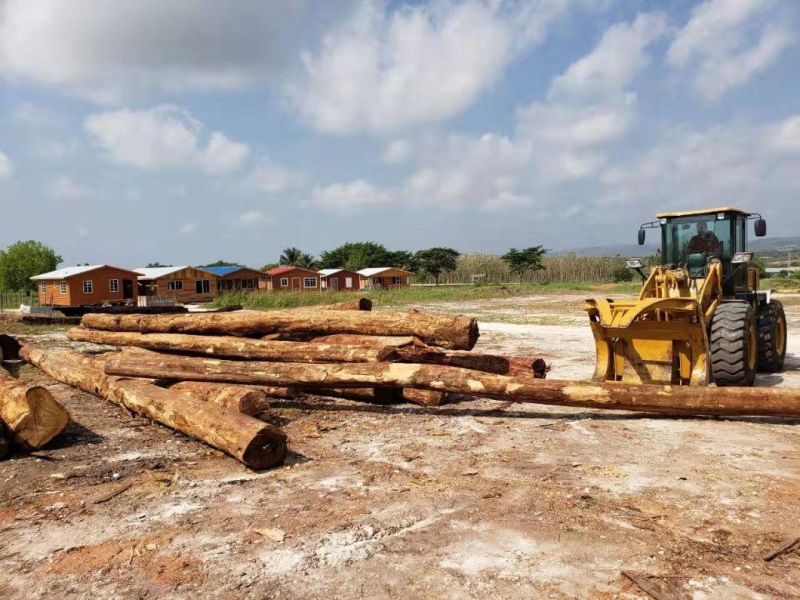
(488, 363)
(695, 400)
(249, 401)
(367, 341)
(423, 397)
(233, 347)
(31, 414)
(458, 333)
(256, 444)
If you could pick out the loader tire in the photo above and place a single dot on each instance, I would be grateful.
(734, 345)
(771, 338)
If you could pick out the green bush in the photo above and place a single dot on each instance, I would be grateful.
(621, 274)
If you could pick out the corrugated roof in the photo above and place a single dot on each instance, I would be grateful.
(222, 271)
(67, 272)
(372, 271)
(287, 268)
(329, 272)
(150, 273)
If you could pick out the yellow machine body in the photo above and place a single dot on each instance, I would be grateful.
(660, 337)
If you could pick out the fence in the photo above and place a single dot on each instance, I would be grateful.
(12, 300)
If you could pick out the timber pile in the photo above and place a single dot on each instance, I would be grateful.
(334, 336)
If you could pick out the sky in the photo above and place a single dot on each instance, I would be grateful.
(187, 131)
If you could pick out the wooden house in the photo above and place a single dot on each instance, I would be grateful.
(293, 279)
(185, 285)
(87, 286)
(385, 278)
(342, 280)
(239, 278)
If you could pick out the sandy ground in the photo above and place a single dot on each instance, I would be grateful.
(478, 499)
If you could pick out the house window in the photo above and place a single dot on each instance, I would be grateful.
(113, 285)
(176, 285)
(63, 287)
(284, 282)
(88, 286)
(310, 282)
(348, 282)
(43, 287)
(247, 284)
(397, 280)
(202, 286)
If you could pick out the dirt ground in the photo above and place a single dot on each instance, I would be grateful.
(478, 499)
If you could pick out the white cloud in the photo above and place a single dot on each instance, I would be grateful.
(728, 42)
(253, 218)
(108, 50)
(161, 137)
(274, 178)
(6, 168)
(187, 228)
(396, 152)
(348, 196)
(387, 70)
(788, 135)
(65, 188)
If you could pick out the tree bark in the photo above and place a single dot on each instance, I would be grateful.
(31, 414)
(678, 400)
(368, 341)
(233, 347)
(256, 444)
(248, 401)
(457, 333)
(365, 394)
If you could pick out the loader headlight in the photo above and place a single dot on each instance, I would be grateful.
(741, 258)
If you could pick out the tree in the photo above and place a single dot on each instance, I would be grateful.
(21, 261)
(155, 265)
(360, 255)
(269, 266)
(306, 260)
(521, 261)
(220, 263)
(435, 261)
(290, 256)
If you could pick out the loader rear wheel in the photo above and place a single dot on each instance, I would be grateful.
(734, 344)
(771, 338)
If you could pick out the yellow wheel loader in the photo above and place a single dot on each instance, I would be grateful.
(699, 317)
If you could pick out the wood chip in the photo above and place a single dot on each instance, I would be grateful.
(113, 493)
(276, 535)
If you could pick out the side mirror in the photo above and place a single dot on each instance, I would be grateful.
(641, 236)
(760, 227)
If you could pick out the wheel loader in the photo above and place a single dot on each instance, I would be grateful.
(699, 317)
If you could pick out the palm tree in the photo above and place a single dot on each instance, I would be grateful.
(306, 261)
(290, 256)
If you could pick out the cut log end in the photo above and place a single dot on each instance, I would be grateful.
(46, 420)
(265, 450)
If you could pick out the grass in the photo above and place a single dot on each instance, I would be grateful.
(780, 283)
(415, 294)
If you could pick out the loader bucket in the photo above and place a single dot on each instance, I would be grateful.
(658, 340)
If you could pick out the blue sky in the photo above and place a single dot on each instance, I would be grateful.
(181, 132)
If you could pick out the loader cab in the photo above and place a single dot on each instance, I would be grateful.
(691, 239)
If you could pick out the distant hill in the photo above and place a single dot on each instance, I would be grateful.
(764, 246)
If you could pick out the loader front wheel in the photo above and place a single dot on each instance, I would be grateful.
(771, 338)
(734, 344)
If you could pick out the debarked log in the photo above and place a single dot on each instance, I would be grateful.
(30, 413)
(453, 332)
(677, 400)
(249, 401)
(254, 443)
(233, 347)
(515, 366)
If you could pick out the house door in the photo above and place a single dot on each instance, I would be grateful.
(334, 283)
(127, 288)
(295, 284)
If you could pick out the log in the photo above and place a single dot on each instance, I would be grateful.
(355, 304)
(256, 444)
(423, 397)
(249, 401)
(233, 347)
(31, 414)
(488, 363)
(365, 394)
(369, 341)
(666, 399)
(452, 332)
